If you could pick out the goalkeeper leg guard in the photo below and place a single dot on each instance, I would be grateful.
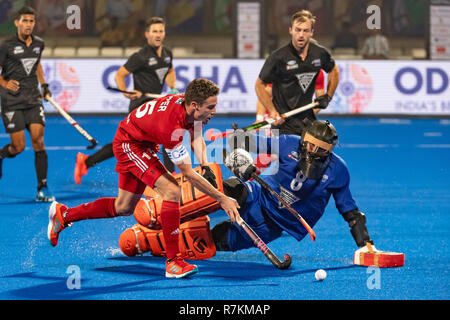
(133, 241)
(195, 240)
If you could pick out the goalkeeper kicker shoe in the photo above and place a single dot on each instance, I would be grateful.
(80, 167)
(178, 268)
(56, 222)
(44, 195)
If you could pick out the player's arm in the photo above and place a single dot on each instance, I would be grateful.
(347, 207)
(171, 81)
(40, 74)
(119, 78)
(198, 145)
(333, 81)
(357, 222)
(260, 109)
(266, 100)
(328, 65)
(320, 88)
(12, 85)
(41, 78)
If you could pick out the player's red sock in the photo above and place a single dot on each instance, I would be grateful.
(101, 208)
(170, 223)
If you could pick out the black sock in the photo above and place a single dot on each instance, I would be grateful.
(41, 165)
(104, 153)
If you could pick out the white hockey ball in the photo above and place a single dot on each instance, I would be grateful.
(320, 275)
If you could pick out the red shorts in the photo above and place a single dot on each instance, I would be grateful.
(138, 166)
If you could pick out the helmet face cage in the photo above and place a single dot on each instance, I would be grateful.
(315, 151)
(316, 148)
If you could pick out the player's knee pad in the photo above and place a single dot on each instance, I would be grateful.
(193, 203)
(235, 189)
(357, 222)
(219, 234)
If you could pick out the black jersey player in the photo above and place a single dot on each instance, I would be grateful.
(293, 71)
(21, 100)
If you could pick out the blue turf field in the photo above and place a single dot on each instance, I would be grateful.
(400, 178)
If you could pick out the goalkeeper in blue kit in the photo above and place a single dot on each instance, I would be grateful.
(309, 173)
(291, 199)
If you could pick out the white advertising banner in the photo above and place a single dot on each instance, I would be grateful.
(365, 87)
(439, 32)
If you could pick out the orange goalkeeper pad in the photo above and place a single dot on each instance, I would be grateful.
(382, 259)
(195, 240)
(193, 202)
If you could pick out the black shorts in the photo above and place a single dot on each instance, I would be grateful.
(19, 120)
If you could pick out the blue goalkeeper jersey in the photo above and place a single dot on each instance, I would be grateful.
(308, 197)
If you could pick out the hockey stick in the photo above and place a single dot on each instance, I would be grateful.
(264, 123)
(259, 243)
(73, 122)
(263, 247)
(150, 95)
(265, 185)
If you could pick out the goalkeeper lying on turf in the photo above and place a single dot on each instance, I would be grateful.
(309, 173)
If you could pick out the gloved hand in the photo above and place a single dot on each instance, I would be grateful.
(173, 91)
(323, 101)
(209, 175)
(45, 91)
(240, 162)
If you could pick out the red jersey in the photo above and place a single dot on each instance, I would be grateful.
(159, 121)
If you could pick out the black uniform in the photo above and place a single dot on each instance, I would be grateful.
(293, 81)
(24, 106)
(19, 62)
(149, 72)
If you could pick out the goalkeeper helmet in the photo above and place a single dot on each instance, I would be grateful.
(318, 141)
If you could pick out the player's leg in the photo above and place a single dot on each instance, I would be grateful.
(168, 188)
(130, 191)
(14, 123)
(84, 162)
(12, 149)
(40, 162)
(35, 123)
(152, 173)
